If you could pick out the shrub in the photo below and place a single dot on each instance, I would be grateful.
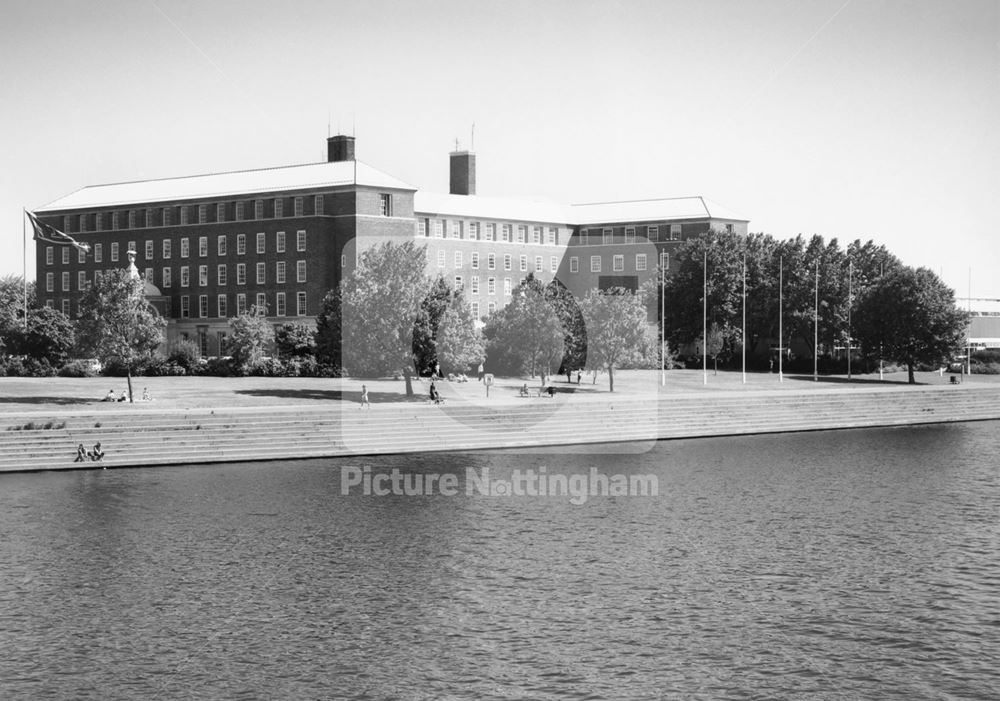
(219, 367)
(78, 368)
(186, 354)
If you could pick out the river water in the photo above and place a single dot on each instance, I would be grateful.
(831, 565)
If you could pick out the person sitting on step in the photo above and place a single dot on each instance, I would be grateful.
(81, 453)
(97, 454)
(524, 390)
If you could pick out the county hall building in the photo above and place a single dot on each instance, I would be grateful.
(278, 239)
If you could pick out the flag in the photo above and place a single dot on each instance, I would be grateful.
(50, 234)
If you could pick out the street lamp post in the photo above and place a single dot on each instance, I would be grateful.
(663, 299)
(781, 336)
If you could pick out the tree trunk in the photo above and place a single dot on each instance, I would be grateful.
(409, 382)
(128, 376)
(611, 378)
(909, 367)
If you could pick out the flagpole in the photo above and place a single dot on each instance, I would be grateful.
(744, 344)
(704, 321)
(663, 331)
(850, 302)
(781, 339)
(816, 330)
(24, 264)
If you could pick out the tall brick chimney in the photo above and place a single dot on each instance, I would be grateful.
(340, 148)
(463, 173)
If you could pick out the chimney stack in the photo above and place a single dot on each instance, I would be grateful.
(463, 173)
(340, 148)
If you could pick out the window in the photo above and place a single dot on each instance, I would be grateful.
(166, 277)
(553, 264)
(99, 218)
(279, 208)
(49, 303)
(241, 244)
(595, 264)
(629, 234)
(221, 245)
(474, 260)
(538, 264)
(65, 256)
(147, 275)
(279, 274)
(202, 246)
(50, 282)
(458, 259)
(203, 276)
(491, 307)
(241, 303)
(149, 250)
(185, 276)
(258, 208)
(491, 230)
(65, 282)
(185, 248)
(261, 273)
(491, 261)
(114, 252)
(455, 229)
(81, 256)
(300, 240)
(148, 216)
(474, 230)
(553, 238)
(442, 258)
(665, 261)
(279, 304)
(131, 219)
(574, 264)
(536, 234)
(459, 284)
(115, 222)
(279, 242)
(167, 218)
(491, 286)
(202, 306)
(65, 307)
(202, 213)
(385, 205)
(185, 306)
(522, 232)
(184, 216)
(83, 222)
(239, 211)
(618, 263)
(507, 260)
(165, 248)
(301, 304)
(675, 232)
(222, 275)
(652, 232)
(297, 206)
(422, 228)
(640, 261)
(474, 285)
(475, 310)
(261, 242)
(506, 286)
(300, 271)
(607, 236)
(524, 263)
(223, 311)
(49, 255)
(343, 260)
(131, 247)
(241, 273)
(317, 208)
(438, 229)
(261, 304)
(220, 212)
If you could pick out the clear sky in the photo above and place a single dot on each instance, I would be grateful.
(860, 119)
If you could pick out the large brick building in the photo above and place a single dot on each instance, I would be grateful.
(210, 246)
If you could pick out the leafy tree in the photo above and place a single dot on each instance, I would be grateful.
(616, 328)
(910, 316)
(380, 302)
(49, 336)
(117, 323)
(459, 342)
(575, 330)
(425, 331)
(12, 307)
(526, 335)
(250, 335)
(328, 330)
(295, 341)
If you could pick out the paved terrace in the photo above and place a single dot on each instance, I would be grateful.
(208, 419)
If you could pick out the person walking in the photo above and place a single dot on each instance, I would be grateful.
(482, 372)
(364, 398)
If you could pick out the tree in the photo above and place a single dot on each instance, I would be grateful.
(425, 329)
(526, 335)
(459, 343)
(328, 330)
(49, 336)
(380, 302)
(12, 304)
(565, 305)
(249, 338)
(910, 316)
(616, 328)
(295, 341)
(117, 323)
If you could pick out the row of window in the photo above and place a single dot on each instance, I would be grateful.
(222, 305)
(491, 261)
(166, 276)
(166, 247)
(147, 217)
(618, 263)
(491, 285)
(486, 231)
